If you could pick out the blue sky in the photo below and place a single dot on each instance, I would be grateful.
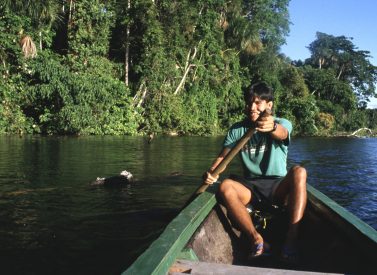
(351, 18)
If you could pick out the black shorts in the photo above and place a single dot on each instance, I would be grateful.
(265, 186)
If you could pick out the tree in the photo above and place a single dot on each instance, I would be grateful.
(252, 26)
(348, 64)
(324, 84)
(125, 66)
(89, 30)
(43, 15)
(293, 100)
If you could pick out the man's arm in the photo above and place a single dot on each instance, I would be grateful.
(208, 178)
(267, 125)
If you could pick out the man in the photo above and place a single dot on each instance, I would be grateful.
(264, 159)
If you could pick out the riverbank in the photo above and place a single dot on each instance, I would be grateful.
(359, 133)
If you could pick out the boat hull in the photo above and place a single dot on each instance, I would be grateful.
(330, 240)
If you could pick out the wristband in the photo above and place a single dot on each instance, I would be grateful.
(274, 128)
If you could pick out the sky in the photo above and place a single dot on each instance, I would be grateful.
(351, 18)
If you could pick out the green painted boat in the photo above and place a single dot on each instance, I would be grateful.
(202, 240)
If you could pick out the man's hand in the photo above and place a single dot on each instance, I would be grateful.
(265, 124)
(208, 178)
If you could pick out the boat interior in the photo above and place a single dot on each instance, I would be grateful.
(326, 243)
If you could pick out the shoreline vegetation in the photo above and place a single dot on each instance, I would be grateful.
(359, 133)
(125, 67)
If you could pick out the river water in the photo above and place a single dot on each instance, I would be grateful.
(53, 222)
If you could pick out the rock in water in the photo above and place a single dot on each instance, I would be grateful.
(123, 178)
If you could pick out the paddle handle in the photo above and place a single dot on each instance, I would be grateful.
(228, 158)
(233, 152)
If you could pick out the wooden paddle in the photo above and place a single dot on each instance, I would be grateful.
(228, 158)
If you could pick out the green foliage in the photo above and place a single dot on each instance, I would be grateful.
(204, 120)
(89, 31)
(325, 123)
(186, 77)
(12, 119)
(341, 78)
(264, 26)
(294, 83)
(10, 52)
(62, 102)
(351, 66)
(372, 118)
(12, 87)
(41, 17)
(293, 100)
(302, 112)
(325, 86)
(355, 119)
(184, 65)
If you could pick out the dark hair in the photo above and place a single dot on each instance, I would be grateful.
(261, 90)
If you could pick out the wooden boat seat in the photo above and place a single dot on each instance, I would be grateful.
(204, 268)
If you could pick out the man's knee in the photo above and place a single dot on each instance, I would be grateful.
(299, 172)
(225, 188)
(232, 191)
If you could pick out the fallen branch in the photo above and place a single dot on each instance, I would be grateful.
(361, 129)
(140, 95)
(186, 70)
(143, 96)
(183, 79)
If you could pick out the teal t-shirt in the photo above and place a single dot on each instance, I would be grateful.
(262, 156)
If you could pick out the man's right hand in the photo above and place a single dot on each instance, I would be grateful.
(208, 178)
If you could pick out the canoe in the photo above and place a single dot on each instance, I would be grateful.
(203, 240)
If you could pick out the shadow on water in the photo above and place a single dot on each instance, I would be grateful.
(53, 222)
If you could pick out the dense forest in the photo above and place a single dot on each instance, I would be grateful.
(164, 66)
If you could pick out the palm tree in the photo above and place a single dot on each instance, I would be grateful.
(28, 47)
(43, 13)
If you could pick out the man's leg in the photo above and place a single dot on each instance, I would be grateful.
(292, 190)
(235, 197)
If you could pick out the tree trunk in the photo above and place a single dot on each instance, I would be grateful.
(127, 48)
(143, 96)
(5, 69)
(183, 79)
(40, 40)
(70, 11)
(188, 66)
(321, 60)
(340, 72)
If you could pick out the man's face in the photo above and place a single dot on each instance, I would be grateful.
(256, 106)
